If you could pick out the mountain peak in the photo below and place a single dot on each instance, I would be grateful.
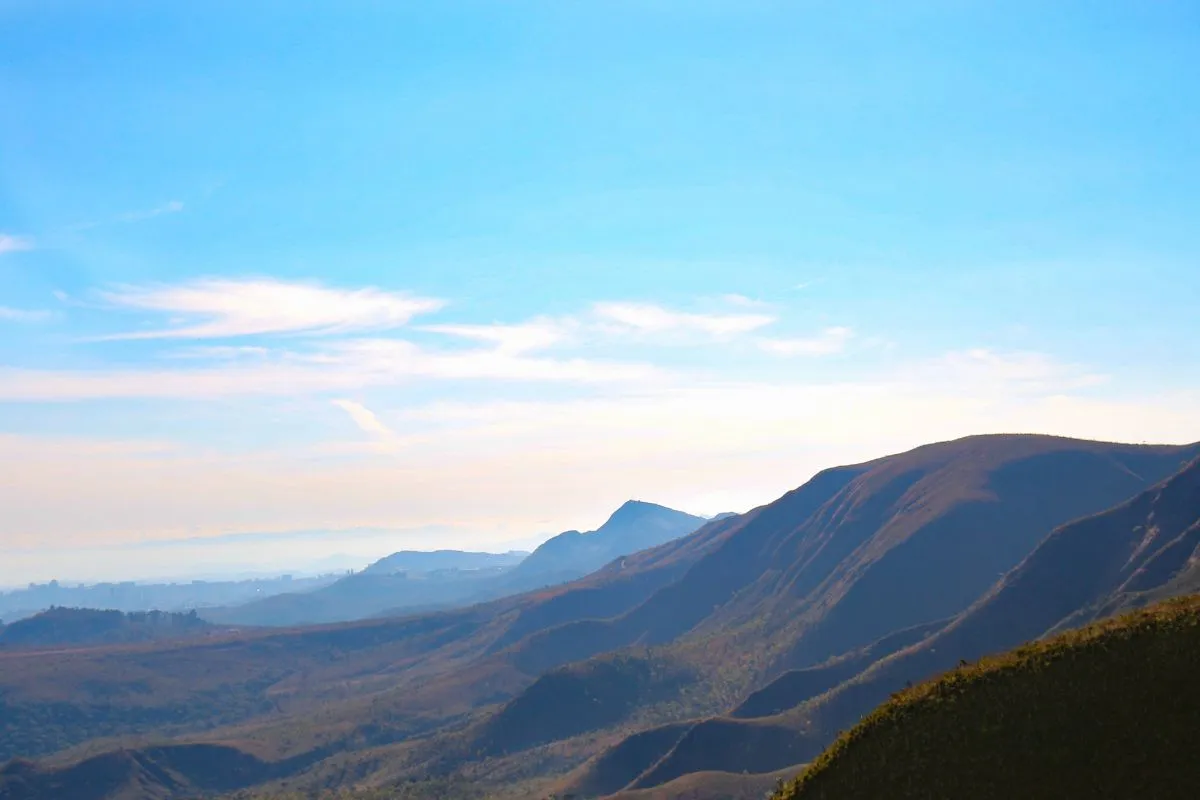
(632, 510)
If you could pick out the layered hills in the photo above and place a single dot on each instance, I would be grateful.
(1105, 712)
(712, 652)
(409, 582)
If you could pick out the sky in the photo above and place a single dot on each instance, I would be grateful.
(280, 281)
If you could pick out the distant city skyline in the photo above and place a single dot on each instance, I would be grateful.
(499, 267)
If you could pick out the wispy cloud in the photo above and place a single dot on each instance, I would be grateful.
(337, 367)
(828, 342)
(10, 243)
(743, 301)
(537, 334)
(225, 308)
(397, 358)
(648, 318)
(1023, 371)
(365, 419)
(171, 207)
(23, 315)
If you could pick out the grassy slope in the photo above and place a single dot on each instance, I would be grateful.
(1110, 711)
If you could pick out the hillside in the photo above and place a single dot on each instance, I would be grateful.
(1141, 550)
(1106, 712)
(851, 563)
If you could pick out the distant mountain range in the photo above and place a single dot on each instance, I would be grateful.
(410, 581)
(724, 658)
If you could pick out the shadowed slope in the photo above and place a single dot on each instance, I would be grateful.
(1079, 567)
(795, 686)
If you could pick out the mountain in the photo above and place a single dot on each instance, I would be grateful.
(1142, 550)
(411, 581)
(684, 641)
(632, 527)
(1106, 712)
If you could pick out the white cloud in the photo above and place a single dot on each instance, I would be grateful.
(338, 367)
(365, 419)
(400, 358)
(650, 319)
(14, 244)
(742, 300)
(171, 207)
(22, 315)
(229, 308)
(537, 334)
(221, 352)
(1026, 371)
(828, 342)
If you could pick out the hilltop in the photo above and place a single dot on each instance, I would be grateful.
(635, 526)
(1105, 712)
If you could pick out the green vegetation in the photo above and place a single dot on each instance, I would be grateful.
(1110, 711)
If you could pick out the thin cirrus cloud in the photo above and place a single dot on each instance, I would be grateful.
(365, 419)
(828, 342)
(525, 337)
(338, 367)
(22, 315)
(223, 308)
(10, 243)
(172, 207)
(650, 319)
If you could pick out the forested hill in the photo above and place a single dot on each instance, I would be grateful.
(66, 626)
(1109, 711)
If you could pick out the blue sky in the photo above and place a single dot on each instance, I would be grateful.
(498, 266)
